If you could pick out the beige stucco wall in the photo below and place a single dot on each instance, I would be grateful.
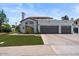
(55, 22)
(32, 25)
(49, 22)
(21, 27)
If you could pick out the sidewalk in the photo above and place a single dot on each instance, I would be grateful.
(2, 33)
(38, 50)
(25, 34)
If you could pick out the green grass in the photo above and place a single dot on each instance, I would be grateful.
(19, 40)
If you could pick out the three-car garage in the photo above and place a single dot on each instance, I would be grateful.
(55, 29)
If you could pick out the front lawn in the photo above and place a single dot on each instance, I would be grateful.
(19, 40)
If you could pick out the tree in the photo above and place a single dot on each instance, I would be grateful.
(3, 18)
(13, 26)
(65, 17)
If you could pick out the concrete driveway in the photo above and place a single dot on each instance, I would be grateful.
(62, 44)
(61, 39)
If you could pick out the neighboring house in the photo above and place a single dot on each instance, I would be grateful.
(47, 25)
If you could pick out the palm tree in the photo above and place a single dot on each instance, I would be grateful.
(3, 18)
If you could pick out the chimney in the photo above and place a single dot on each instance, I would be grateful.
(23, 15)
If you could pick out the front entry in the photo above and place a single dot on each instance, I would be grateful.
(29, 30)
(75, 30)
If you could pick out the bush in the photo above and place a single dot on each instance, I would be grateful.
(6, 28)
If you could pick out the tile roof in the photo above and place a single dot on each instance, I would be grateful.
(35, 18)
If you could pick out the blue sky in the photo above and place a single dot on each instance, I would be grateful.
(55, 10)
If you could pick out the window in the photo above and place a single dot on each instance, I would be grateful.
(26, 23)
(23, 27)
(30, 22)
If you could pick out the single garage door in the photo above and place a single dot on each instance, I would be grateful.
(66, 29)
(75, 30)
(49, 29)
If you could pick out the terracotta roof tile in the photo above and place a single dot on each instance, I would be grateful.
(33, 18)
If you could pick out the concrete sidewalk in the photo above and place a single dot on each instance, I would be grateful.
(38, 50)
(2, 33)
(25, 34)
(66, 50)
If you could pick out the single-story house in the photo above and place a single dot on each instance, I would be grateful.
(47, 25)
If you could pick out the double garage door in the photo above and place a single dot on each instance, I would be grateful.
(55, 29)
(49, 29)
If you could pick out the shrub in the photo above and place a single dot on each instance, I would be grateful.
(6, 28)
